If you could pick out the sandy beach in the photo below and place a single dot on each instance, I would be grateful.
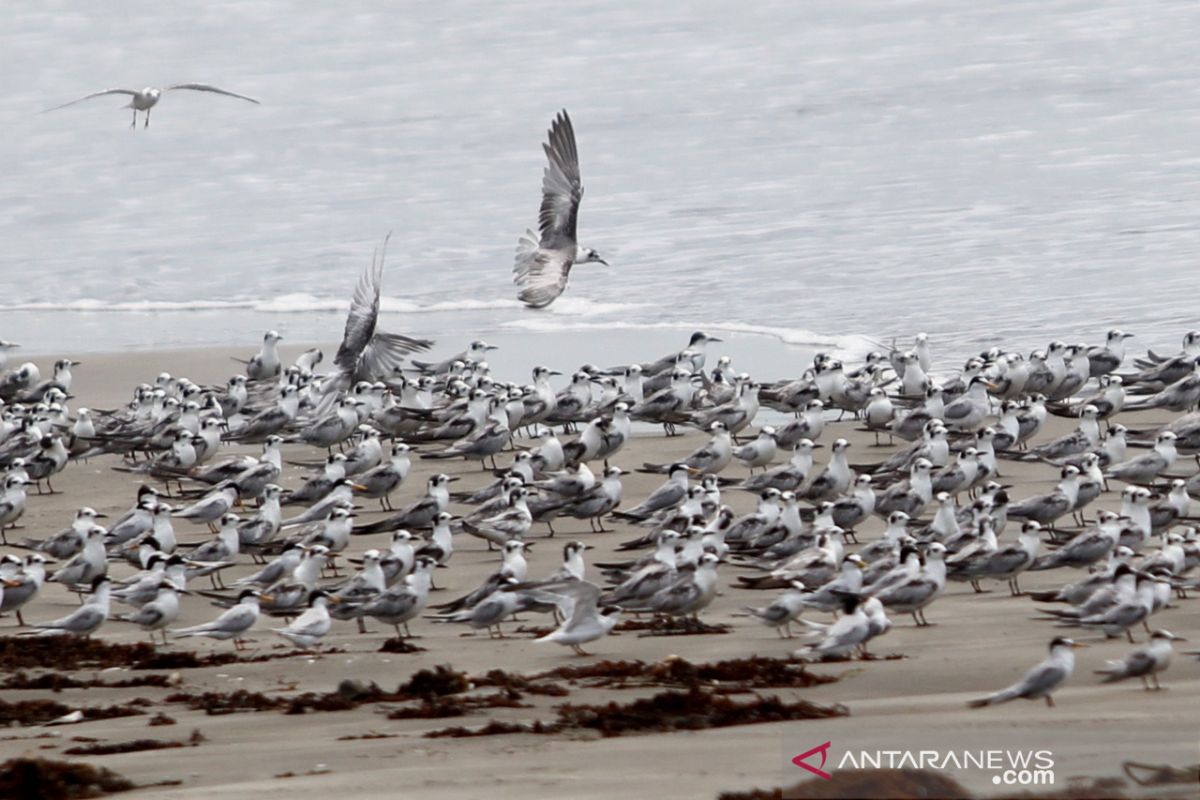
(978, 643)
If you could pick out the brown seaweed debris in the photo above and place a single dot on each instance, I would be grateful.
(439, 681)
(68, 653)
(218, 703)
(398, 645)
(426, 685)
(160, 719)
(369, 735)
(133, 746)
(736, 674)
(691, 710)
(666, 711)
(39, 712)
(44, 779)
(436, 708)
(519, 683)
(671, 626)
(493, 728)
(438, 691)
(318, 770)
(57, 681)
(832, 659)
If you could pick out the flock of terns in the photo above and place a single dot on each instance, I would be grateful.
(949, 515)
(942, 494)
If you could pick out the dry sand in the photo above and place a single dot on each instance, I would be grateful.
(978, 643)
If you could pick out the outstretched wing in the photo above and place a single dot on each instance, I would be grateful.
(386, 351)
(541, 274)
(129, 92)
(204, 87)
(364, 312)
(561, 186)
(365, 353)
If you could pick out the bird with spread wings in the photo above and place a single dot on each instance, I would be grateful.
(543, 263)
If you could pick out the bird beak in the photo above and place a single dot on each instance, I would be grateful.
(266, 597)
(554, 372)
(601, 261)
(1078, 645)
(452, 479)
(75, 363)
(991, 386)
(358, 487)
(333, 599)
(1128, 336)
(10, 584)
(589, 547)
(101, 516)
(715, 339)
(492, 347)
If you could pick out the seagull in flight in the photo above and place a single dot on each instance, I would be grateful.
(367, 353)
(147, 98)
(543, 264)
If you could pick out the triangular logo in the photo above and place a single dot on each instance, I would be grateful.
(823, 749)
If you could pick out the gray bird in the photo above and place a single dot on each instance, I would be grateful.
(586, 621)
(145, 99)
(1145, 468)
(212, 506)
(367, 353)
(543, 263)
(83, 621)
(232, 623)
(1040, 681)
(668, 495)
(1145, 662)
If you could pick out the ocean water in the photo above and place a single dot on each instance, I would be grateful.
(812, 174)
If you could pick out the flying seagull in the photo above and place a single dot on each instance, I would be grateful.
(543, 266)
(367, 354)
(147, 98)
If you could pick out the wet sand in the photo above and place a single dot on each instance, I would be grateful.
(978, 643)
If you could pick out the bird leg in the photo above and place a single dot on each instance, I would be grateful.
(579, 650)
(1049, 701)
(133, 125)
(147, 124)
